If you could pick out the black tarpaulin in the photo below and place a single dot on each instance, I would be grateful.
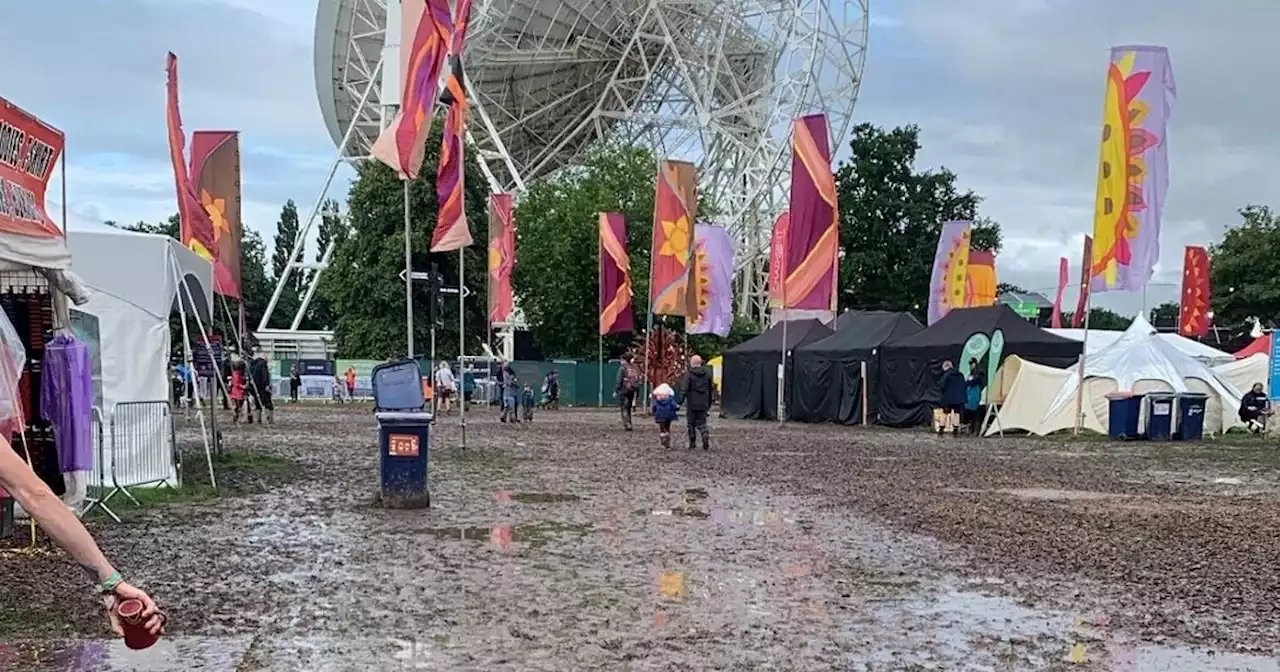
(910, 367)
(827, 385)
(750, 378)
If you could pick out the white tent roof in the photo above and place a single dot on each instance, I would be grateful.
(139, 268)
(1100, 338)
(1042, 399)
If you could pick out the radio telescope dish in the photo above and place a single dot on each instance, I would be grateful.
(716, 82)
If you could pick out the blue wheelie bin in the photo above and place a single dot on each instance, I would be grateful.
(1160, 415)
(1124, 410)
(1191, 406)
(403, 431)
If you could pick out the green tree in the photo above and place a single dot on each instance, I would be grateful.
(287, 228)
(1006, 288)
(1100, 318)
(169, 227)
(363, 285)
(891, 216)
(557, 258)
(255, 286)
(1244, 269)
(1165, 316)
(332, 232)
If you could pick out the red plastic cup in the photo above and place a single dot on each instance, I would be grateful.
(136, 635)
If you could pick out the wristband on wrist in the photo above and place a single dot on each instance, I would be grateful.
(109, 584)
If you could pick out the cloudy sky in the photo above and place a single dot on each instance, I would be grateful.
(1007, 93)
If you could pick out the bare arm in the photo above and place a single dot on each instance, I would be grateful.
(52, 514)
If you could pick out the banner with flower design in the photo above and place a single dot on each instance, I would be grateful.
(1194, 318)
(813, 234)
(674, 208)
(712, 278)
(215, 173)
(1133, 168)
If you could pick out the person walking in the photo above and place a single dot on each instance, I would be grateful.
(951, 399)
(61, 524)
(697, 394)
(295, 382)
(446, 386)
(260, 382)
(626, 387)
(237, 390)
(552, 387)
(510, 393)
(350, 377)
(666, 410)
(468, 387)
(974, 386)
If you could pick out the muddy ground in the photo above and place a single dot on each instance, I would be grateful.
(569, 544)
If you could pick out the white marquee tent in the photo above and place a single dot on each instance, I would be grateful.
(1042, 399)
(135, 280)
(1100, 339)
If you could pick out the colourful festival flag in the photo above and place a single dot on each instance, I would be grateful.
(426, 30)
(1133, 168)
(674, 209)
(1193, 318)
(1082, 303)
(29, 149)
(813, 234)
(1064, 276)
(980, 282)
(215, 174)
(615, 275)
(778, 258)
(502, 256)
(712, 276)
(452, 232)
(947, 283)
(195, 227)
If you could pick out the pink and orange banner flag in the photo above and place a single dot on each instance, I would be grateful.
(778, 258)
(195, 229)
(813, 233)
(452, 232)
(1064, 277)
(615, 275)
(1133, 168)
(675, 206)
(1193, 318)
(426, 30)
(502, 256)
(29, 149)
(215, 175)
(1082, 303)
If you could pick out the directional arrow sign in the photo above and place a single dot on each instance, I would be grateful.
(466, 291)
(418, 276)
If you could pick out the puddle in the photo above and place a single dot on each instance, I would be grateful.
(544, 498)
(1053, 494)
(696, 493)
(534, 533)
(679, 512)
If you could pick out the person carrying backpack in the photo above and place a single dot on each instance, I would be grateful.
(626, 388)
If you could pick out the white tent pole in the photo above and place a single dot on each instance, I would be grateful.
(186, 349)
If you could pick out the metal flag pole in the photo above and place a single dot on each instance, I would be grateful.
(408, 280)
(462, 349)
(782, 363)
(65, 223)
(599, 325)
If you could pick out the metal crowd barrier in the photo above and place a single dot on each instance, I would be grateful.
(96, 487)
(144, 447)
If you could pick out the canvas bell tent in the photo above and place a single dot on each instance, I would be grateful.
(827, 385)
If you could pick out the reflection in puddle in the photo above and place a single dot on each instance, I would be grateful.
(534, 533)
(544, 498)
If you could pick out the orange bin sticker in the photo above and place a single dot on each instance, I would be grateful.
(403, 445)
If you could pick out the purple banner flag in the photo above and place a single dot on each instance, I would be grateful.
(950, 270)
(1133, 170)
(713, 281)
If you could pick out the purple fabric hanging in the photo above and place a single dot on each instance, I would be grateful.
(66, 401)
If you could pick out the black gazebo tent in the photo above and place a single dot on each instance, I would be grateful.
(827, 385)
(910, 367)
(750, 378)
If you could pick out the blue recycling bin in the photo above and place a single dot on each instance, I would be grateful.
(1124, 412)
(1160, 407)
(404, 429)
(1191, 407)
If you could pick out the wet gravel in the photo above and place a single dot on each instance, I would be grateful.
(569, 544)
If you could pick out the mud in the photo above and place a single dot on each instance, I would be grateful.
(574, 545)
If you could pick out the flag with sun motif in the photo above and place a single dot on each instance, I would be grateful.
(215, 174)
(1133, 168)
(947, 285)
(1193, 318)
(712, 278)
(674, 208)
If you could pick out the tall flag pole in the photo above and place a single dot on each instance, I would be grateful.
(426, 28)
(1081, 318)
(1193, 311)
(1133, 168)
(614, 285)
(675, 207)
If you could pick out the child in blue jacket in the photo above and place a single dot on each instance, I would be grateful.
(665, 412)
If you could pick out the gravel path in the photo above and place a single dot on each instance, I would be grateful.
(568, 544)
